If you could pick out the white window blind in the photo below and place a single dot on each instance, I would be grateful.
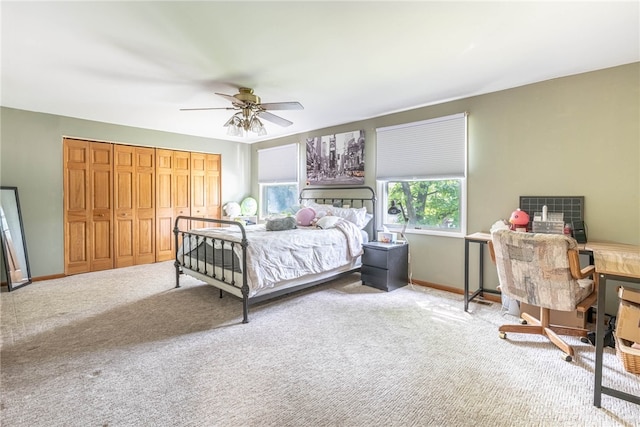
(278, 164)
(428, 149)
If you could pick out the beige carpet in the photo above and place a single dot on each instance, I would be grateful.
(124, 348)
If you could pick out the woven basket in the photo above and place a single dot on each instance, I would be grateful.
(630, 357)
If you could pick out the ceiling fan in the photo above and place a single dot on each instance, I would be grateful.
(250, 111)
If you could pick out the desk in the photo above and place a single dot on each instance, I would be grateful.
(482, 239)
(618, 262)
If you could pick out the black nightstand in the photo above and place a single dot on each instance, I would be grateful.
(385, 265)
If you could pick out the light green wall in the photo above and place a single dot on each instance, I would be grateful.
(572, 136)
(576, 135)
(31, 159)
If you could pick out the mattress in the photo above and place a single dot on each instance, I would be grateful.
(274, 258)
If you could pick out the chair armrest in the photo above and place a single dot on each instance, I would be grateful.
(589, 270)
(588, 302)
(578, 273)
(492, 251)
(574, 265)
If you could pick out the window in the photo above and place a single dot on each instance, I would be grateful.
(278, 179)
(428, 205)
(278, 198)
(421, 175)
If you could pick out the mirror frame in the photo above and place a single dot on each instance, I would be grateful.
(5, 243)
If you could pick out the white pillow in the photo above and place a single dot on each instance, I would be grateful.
(328, 221)
(358, 216)
(354, 215)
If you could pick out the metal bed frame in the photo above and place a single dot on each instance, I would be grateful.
(225, 278)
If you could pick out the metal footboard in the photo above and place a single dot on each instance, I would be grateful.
(212, 259)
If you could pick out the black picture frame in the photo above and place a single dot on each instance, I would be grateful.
(14, 244)
(336, 159)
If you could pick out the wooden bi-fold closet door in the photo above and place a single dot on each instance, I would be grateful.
(205, 187)
(172, 197)
(121, 201)
(134, 205)
(88, 206)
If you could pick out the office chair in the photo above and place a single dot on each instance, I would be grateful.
(543, 270)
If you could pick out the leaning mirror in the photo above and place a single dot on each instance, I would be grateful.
(16, 271)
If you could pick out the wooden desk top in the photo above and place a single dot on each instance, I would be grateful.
(619, 259)
(479, 237)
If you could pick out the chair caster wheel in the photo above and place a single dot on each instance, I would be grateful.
(567, 357)
(584, 340)
(502, 335)
(523, 322)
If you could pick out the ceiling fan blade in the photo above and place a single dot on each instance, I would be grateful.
(227, 97)
(274, 119)
(212, 108)
(282, 106)
(232, 99)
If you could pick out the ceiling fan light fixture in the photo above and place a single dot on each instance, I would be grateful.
(244, 122)
(232, 130)
(229, 122)
(256, 126)
(235, 126)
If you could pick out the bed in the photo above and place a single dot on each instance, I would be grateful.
(259, 262)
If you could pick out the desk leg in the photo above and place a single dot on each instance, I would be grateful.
(466, 275)
(481, 270)
(597, 388)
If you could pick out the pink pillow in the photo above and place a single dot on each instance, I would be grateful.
(305, 216)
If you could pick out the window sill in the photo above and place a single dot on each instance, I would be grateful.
(428, 232)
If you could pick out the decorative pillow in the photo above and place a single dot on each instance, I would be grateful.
(354, 215)
(328, 221)
(305, 216)
(279, 224)
(358, 216)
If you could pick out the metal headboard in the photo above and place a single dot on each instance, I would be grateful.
(339, 196)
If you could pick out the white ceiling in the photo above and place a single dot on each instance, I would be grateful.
(137, 63)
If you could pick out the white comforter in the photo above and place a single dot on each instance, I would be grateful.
(276, 256)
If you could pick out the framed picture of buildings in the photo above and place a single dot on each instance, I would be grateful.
(336, 159)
